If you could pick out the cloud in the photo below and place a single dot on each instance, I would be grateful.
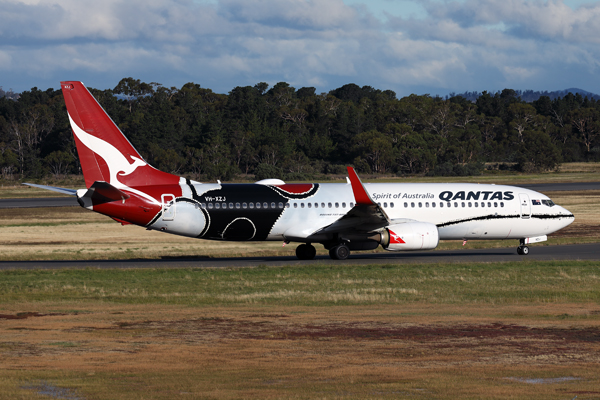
(454, 46)
(549, 20)
(298, 14)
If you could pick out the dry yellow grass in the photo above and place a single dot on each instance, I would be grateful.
(76, 233)
(409, 351)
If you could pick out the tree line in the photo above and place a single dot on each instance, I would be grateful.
(294, 134)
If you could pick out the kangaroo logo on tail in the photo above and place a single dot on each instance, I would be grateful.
(118, 165)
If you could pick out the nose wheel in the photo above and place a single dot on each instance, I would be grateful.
(522, 250)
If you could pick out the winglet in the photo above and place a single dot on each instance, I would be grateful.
(360, 194)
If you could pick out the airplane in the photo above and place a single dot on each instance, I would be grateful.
(343, 217)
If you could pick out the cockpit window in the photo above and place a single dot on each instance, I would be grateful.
(548, 203)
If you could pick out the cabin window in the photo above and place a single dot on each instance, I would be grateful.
(455, 204)
(301, 205)
(309, 205)
(427, 204)
(337, 205)
(489, 204)
(210, 206)
(470, 205)
(274, 206)
(405, 205)
(433, 204)
(295, 205)
(265, 205)
(203, 205)
(379, 204)
(502, 204)
(391, 205)
(322, 205)
(217, 206)
(462, 204)
(237, 205)
(412, 205)
(343, 205)
(351, 205)
(385, 205)
(329, 205)
(281, 205)
(482, 204)
(495, 204)
(231, 206)
(316, 205)
(476, 204)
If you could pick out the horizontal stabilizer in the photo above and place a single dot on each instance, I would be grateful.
(72, 192)
(99, 193)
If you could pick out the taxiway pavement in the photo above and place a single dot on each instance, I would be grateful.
(537, 253)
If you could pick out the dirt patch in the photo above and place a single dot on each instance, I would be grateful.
(25, 315)
(276, 352)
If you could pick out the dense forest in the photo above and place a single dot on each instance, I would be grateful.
(293, 134)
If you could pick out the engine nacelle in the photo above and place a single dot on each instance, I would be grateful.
(410, 236)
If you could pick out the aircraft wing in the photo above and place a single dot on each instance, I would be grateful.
(365, 216)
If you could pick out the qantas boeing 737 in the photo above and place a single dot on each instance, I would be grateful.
(340, 216)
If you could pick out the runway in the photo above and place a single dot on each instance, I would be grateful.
(466, 255)
(72, 201)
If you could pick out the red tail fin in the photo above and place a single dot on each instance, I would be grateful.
(104, 152)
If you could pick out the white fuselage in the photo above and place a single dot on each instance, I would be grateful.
(461, 211)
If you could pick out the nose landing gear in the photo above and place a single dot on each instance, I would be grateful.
(522, 250)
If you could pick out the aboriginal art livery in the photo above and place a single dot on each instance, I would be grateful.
(340, 216)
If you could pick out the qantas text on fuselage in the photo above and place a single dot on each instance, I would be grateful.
(342, 217)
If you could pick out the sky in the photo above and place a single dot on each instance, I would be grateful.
(424, 47)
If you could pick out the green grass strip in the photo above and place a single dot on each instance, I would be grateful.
(315, 285)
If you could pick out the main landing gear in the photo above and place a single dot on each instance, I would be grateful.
(339, 252)
(522, 250)
(306, 251)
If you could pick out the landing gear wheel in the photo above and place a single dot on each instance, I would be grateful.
(339, 252)
(523, 250)
(306, 251)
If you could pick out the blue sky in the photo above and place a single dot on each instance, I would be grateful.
(428, 46)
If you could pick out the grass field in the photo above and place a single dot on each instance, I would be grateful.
(474, 331)
(523, 330)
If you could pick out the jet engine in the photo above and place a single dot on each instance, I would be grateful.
(410, 236)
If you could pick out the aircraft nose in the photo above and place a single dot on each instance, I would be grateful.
(567, 216)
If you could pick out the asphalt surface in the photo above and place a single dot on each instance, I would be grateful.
(39, 202)
(538, 252)
(72, 201)
(572, 186)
